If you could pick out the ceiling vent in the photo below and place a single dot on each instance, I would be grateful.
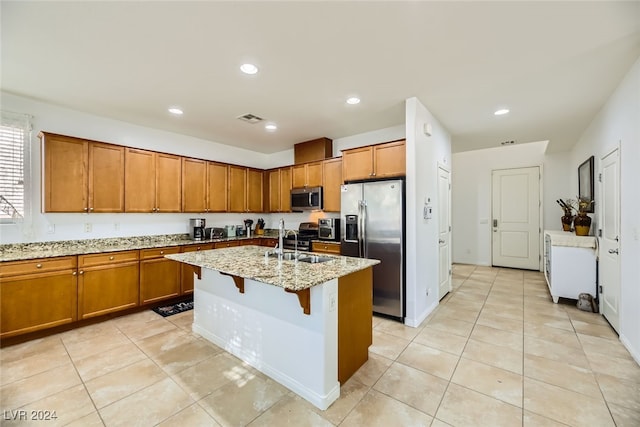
(507, 142)
(250, 118)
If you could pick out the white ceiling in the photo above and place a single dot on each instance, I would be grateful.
(553, 64)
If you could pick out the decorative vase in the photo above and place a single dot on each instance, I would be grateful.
(567, 220)
(582, 224)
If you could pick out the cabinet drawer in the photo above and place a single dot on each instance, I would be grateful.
(158, 252)
(38, 265)
(228, 244)
(200, 247)
(333, 248)
(107, 258)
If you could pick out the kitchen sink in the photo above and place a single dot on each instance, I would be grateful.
(288, 256)
(315, 259)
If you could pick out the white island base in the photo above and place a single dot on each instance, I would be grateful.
(265, 326)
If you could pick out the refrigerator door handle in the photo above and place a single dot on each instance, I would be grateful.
(360, 228)
(365, 253)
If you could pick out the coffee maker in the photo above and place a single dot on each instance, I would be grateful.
(196, 228)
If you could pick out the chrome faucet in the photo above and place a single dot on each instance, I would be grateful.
(280, 250)
(295, 235)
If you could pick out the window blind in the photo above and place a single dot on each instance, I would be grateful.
(15, 132)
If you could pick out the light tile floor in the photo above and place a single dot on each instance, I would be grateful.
(496, 352)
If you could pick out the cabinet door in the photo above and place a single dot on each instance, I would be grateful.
(65, 174)
(332, 173)
(273, 178)
(187, 271)
(326, 248)
(217, 180)
(168, 182)
(194, 185)
(106, 177)
(285, 189)
(159, 279)
(237, 188)
(37, 301)
(389, 159)
(298, 176)
(314, 174)
(357, 164)
(254, 190)
(108, 288)
(139, 180)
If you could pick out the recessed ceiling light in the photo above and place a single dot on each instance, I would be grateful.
(501, 112)
(249, 68)
(353, 100)
(176, 111)
(270, 127)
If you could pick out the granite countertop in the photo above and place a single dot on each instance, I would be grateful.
(250, 262)
(25, 251)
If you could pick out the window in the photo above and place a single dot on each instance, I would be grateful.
(15, 137)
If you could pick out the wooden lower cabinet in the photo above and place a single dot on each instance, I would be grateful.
(159, 276)
(37, 294)
(107, 283)
(267, 241)
(326, 247)
(187, 271)
(247, 242)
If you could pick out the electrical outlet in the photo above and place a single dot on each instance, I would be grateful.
(428, 291)
(51, 228)
(88, 227)
(332, 302)
(116, 226)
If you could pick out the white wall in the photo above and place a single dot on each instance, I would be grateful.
(368, 138)
(424, 153)
(471, 195)
(618, 124)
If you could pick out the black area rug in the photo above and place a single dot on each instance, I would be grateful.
(170, 310)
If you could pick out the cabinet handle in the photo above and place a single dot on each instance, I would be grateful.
(74, 273)
(198, 248)
(161, 252)
(38, 265)
(81, 272)
(90, 209)
(86, 209)
(111, 258)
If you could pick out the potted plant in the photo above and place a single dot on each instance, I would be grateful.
(582, 222)
(567, 218)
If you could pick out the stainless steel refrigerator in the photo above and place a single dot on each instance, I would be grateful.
(372, 226)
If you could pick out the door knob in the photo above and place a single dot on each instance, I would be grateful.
(613, 251)
(440, 241)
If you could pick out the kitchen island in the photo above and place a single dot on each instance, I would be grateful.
(306, 325)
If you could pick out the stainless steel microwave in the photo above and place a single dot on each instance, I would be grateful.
(306, 199)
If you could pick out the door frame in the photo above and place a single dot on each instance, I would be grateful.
(450, 220)
(540, 211)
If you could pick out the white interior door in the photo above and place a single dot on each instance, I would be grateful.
(444, 231)
(516, 218)
(609, 274)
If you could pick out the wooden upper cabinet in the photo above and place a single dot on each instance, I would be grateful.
(194, 185)
(254, 190)
(217, 186)
(168, 182)
(65, 173)
(279, 194)
(82, 176)
(332, 173)
(389, 159)
(237, 188)
(152, 181)
(245, 189)
(307, 175)
(106, 177)
(139, 181)
(285, 189)
(375, 161)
